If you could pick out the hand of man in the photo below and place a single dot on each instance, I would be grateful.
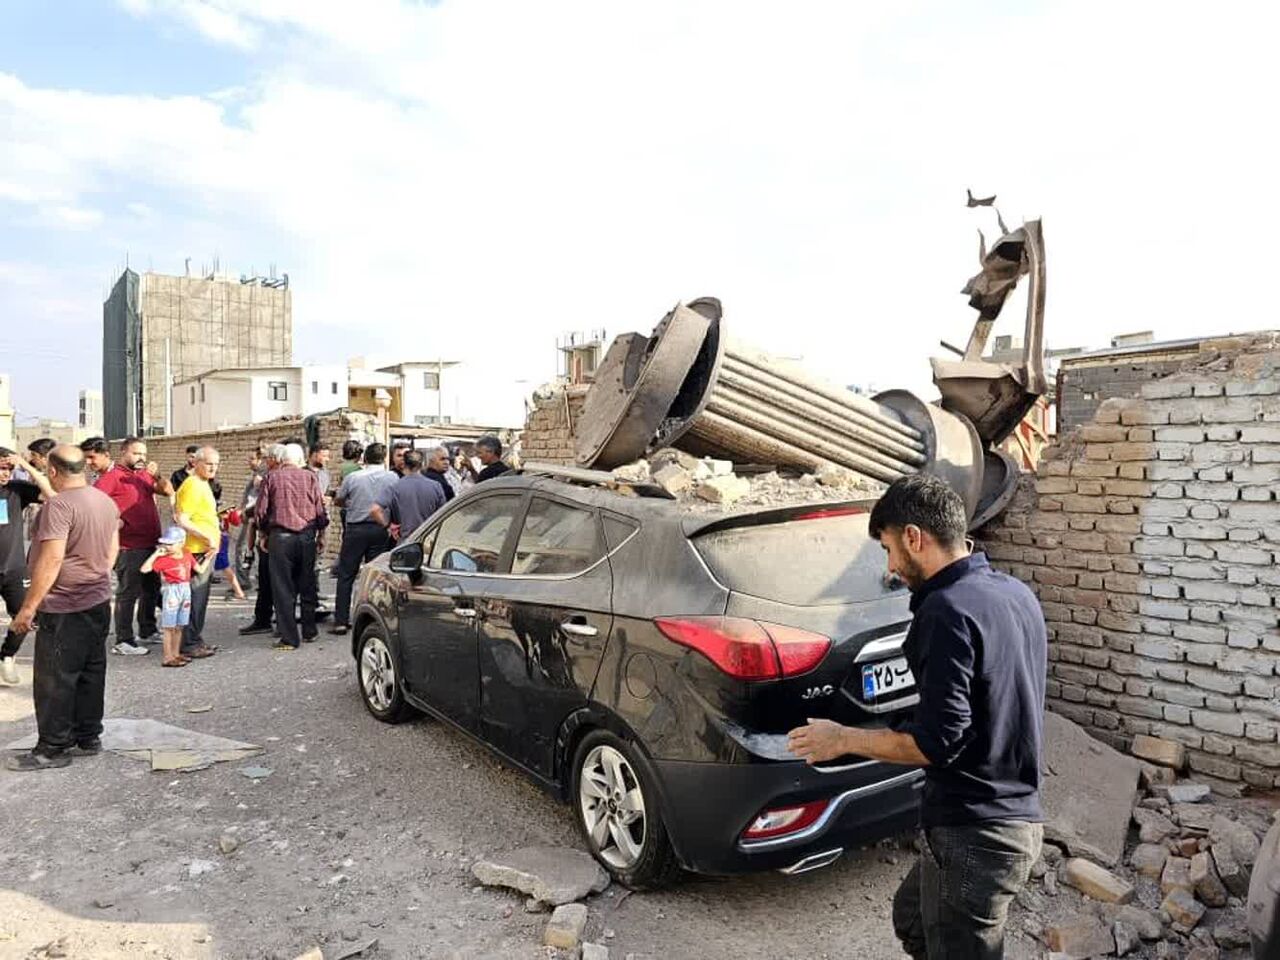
(22, 623)
(153, 468)
(819, 740)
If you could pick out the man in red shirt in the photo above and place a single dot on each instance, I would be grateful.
(133, 484)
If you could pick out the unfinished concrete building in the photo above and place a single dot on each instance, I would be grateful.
(158, 329)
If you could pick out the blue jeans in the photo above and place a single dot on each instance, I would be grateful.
(954, 903)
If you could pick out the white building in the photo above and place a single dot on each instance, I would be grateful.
(8, 438)
(90, 415)
(422, 393)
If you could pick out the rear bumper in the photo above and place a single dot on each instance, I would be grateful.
(709, 805)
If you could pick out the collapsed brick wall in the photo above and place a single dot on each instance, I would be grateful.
(548, 430)
(1151, 537)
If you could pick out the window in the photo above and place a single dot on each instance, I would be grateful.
(193, 395)
(202, 391)
(557, 539)
(315, 387)
(471, 538)
(617, 530)
(278, 390)
(431, 380)
(335, 388)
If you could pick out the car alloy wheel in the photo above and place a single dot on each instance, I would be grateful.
(379, 685)
(613, 809)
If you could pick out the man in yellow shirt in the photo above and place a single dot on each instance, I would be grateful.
(196, 511)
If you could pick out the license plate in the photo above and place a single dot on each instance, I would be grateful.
(886, 677)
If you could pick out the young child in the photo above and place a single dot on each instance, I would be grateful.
(227, 519)
(175, 565)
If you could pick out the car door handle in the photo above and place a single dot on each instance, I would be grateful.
(466, 613)
(578, 629)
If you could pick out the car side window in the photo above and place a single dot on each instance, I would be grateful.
(470, 539)
(557, 539)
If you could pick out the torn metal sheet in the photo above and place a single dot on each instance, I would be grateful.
(164, 746)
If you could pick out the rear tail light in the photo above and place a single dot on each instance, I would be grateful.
(785, 820)
(748, 649)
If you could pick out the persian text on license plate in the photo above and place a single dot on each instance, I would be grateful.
(886, 677)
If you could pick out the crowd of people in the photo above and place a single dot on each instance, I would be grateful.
(99, 557)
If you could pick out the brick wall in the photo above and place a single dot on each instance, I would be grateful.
(548, 431)
(1151, 536)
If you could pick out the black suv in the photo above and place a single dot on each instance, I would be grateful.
(645, 663)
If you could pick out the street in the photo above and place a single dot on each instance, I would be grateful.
(361, 830)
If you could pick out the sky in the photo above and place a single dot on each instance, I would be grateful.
(473, 178)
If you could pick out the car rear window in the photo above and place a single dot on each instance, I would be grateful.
(803, 562)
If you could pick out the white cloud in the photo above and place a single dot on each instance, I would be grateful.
(476, 177)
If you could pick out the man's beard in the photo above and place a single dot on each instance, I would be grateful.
(911, 574)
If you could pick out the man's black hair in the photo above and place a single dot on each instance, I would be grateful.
(924, 501)
(5, 452)
(66, 466)
(400, 444)
(491, 443)
(413, 459)
(297, 441)
(42, 446)
(351, 450)
(95, 445)
(375, 453)
(128, 442)
(193, 448)
(317, 447)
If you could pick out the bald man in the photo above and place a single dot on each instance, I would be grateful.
(75, 544)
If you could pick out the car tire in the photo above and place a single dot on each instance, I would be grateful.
(619, 783)
(378, 677)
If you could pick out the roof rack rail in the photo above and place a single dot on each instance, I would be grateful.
(596, 478)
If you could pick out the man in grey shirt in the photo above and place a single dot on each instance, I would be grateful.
(364, 538)
(406, 506)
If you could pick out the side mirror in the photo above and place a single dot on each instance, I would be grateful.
(406, 558)
(460, 561)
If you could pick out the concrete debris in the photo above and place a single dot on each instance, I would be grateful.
(1126, 938)
(1153, 827)
(637, 472)
(1243, 842)
(1088, 792)
(1209, 887)
(1147, 924)
(564, 929)
(724, 490)
(1234, 875)
(1193, 817)
(1183, 909)
(1164, 753)
(674, 479)
(1203, 952)
(1231, 933)
(346, 953)
(595, 951)
(1188, 793)
(314, 953)
(1153, 775)
(1095, 882)
(1080, 939)
(1176, 876)
(1187, 846)
(1148, 859)
(198, 868)
(552, 875)
(228, 844)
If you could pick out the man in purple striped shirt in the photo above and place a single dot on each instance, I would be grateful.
(291, 513)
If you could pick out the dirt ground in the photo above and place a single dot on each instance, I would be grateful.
(361, 831)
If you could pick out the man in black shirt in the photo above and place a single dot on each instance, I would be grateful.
(489, 451)
(978, 648)
(15, 496)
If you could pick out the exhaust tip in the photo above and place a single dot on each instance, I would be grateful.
(815, 861)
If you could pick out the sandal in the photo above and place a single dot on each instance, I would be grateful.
(175, 662)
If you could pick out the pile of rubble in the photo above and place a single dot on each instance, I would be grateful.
(710, 484)
(1180, 888)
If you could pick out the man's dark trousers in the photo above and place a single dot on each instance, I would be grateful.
(13, 591)
(135, 589)
(361, 542)
(293, 561)
(954, 902)
(201, 584)
(263, 605)
(70, 677)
